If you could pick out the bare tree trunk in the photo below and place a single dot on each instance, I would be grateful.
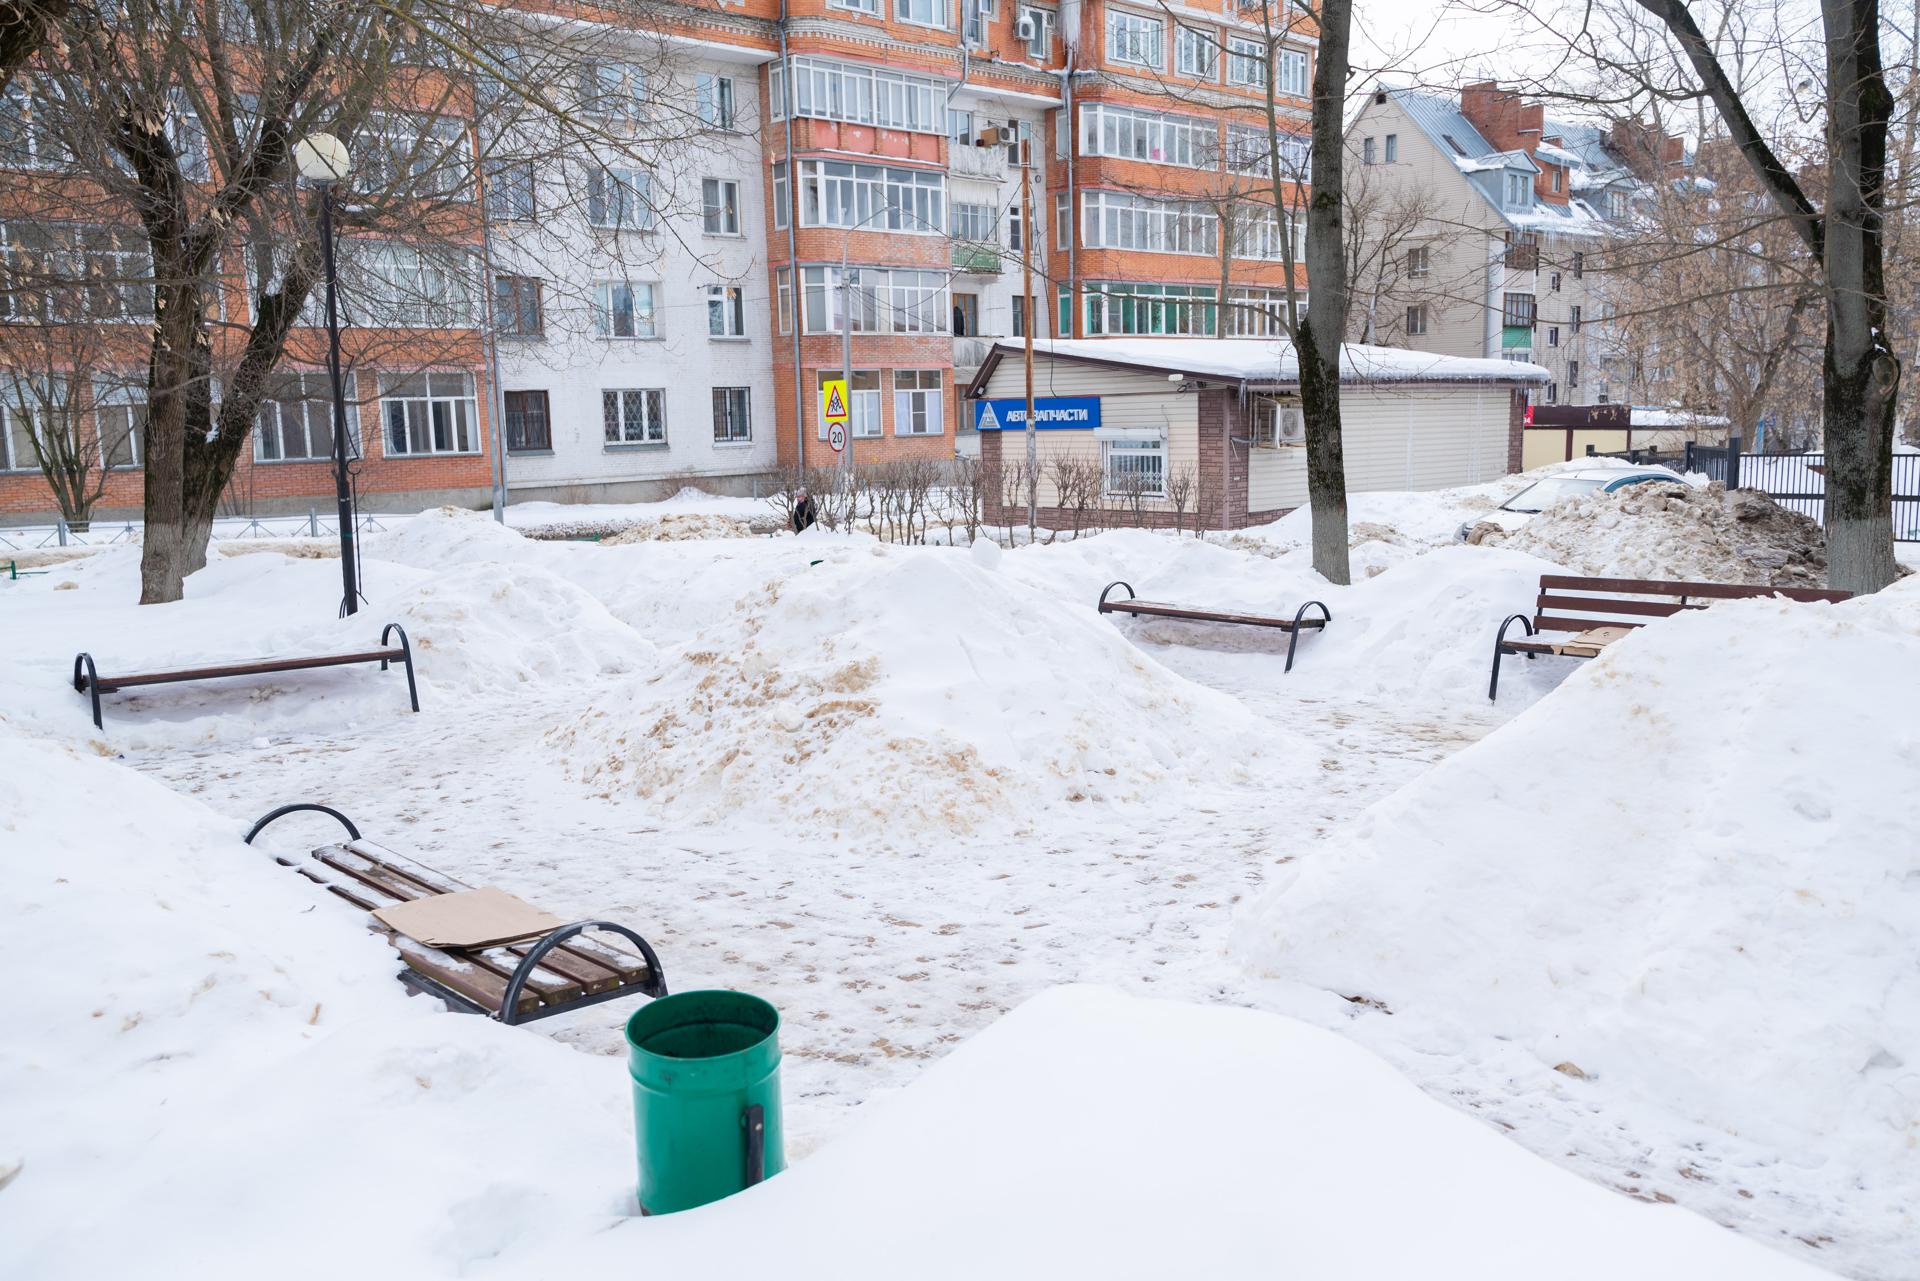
(1317, 346)
(1860, 370)
(164, 554)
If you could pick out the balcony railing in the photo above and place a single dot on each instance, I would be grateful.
(971, 352)
(980, 260)
(977, 162)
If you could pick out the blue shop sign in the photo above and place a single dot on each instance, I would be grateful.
(1049, 413)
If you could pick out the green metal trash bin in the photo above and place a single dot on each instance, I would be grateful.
(706, 1097)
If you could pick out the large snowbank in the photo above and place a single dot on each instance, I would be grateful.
(1689, 876)
(1693, 533)
(881, 689)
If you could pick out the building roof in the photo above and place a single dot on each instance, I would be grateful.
(1589, 167)
(1267, 362)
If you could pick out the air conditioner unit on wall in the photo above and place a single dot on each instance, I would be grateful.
(1290, 425)
(1024, 30)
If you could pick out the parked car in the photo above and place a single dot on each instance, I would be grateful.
(1561, 486)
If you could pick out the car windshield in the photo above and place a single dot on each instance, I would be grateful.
(1543, 494)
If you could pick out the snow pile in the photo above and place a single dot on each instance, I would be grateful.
(1664, 531)
(678, 525)
(901, 690)
(446, 536)
(1091, 1134)
(1686, 879)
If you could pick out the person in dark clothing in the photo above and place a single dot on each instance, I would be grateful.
(804, 512)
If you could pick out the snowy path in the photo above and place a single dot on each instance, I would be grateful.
(880, 960)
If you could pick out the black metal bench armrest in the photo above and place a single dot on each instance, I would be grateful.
(507, 1013)
(353, 833)
(1500, 647)
(1109, 588)
(87, 684)
(406, 656)
(1293, 633)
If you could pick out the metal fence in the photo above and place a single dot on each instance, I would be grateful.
(107, 533)
(1798, 482)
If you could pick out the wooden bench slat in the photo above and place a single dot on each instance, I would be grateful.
(477, 983)
(1555, 623)
(1620, 604)
(264, 667)
(1665, 587)
(1160, 610)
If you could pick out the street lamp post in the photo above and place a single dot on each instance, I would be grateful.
(322, 159)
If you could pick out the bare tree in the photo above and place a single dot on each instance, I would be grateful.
(58, 409)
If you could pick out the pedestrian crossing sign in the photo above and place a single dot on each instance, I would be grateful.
(833, 401)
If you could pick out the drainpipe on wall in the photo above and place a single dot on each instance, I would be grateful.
(1073, 204)
(797, 293)
(497, 401)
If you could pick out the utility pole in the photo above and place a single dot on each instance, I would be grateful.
(1027, 307)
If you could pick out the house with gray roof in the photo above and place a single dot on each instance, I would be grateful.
(1513, 204)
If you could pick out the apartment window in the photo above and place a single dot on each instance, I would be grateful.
(1579, 264)
(1557, 172)
(885, 300)
(1135, 467)
(1040, 42)
(1392, 147)
(1552, 393)
(783, 299)
(1419, 262)
(624, 310)
(1573, 320)
(1416, 320)
(1293, 73)
(870, 7)
(1196, 52)
(713, 98)
(726, 311)
(28, 139)
(1136, 39)
(1517, 311)
(516, 306)
(863, 401)
(975, 222)
(1129, 307)
(1553, 335)
(1366, 151)
(1020, 150)
(1062, 220)
(1250, 151)
(1019, 325)
(510, 191)
(1573, 373)
(634, 415)
(1553, 282)
(720, 206)
(63, 271)
(1519, 190)
(916, 402)
(620, 198)
(614, 93)
(422, 155)
(782, 195)
(839, 193)
(1130, 134)
(295, 422)
(925, 13)
(1016, 228)
(120, 416)
(1258, 234)
(861, 95)
(1117, 220)
(17, 433)
(1246, 61)
(1258, 313)
(732, 423)
(529, 427)
(966, 315)
(1616, 208)
(429, 414)
(421, 288)
(1522, 252)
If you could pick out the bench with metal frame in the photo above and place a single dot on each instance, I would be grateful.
(1603, 600)
(511, 982)
(1156, 609)
(86, 680)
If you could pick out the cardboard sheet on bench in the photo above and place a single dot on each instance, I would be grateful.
(469, 918)
(1590, 642)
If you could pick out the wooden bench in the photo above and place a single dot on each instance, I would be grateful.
(1578, 605)
(87, 680)
(513, 982)
(1292, 626)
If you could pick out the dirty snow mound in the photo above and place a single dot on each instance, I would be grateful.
(893, 690)
(1686, 880)
(679, 525)
(1666, 531)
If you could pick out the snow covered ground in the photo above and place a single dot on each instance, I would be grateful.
(901, 792)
